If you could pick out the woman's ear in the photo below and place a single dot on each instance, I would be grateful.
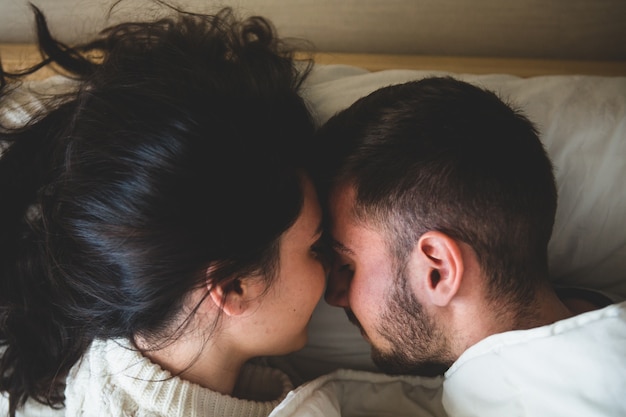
(438, 261)
(236, 296)
(228, 297)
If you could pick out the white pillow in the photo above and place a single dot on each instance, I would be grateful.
(582, 123)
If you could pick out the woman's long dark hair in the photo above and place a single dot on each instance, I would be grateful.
(180, 149)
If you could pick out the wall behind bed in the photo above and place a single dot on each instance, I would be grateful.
(556, 29)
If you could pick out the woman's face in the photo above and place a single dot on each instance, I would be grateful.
(262, 321)
(285, 309)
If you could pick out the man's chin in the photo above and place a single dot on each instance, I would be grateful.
(394, 364)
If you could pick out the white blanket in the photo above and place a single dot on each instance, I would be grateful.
(360, 393)
(573, 368)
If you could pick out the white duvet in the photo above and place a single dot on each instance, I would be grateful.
(572, 368)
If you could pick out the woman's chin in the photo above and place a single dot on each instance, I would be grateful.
(297, 343)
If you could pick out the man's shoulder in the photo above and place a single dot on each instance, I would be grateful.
(582, 357)
(597, 327)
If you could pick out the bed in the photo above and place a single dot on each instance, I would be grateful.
(572, 86)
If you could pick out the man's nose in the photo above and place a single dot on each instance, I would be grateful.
(337, 289)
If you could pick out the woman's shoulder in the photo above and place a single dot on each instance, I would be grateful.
(114, 379)
(95, 382)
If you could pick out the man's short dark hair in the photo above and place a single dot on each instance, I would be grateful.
(441, 154)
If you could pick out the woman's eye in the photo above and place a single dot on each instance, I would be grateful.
(316, 249)
(320, 251)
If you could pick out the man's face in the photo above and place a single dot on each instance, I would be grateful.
(378, 298)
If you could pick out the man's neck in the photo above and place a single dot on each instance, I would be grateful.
(549, 309)
(545, 309)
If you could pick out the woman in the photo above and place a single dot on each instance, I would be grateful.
(158, 228)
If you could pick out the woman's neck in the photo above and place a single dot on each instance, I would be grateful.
(202, 362)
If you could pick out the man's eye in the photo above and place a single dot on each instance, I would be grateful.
(342, 266)
(342, 270)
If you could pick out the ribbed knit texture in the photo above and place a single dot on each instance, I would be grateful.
(114, 380)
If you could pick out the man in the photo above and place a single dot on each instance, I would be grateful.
(441, 201)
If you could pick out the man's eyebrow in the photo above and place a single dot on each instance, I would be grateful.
(340, 247)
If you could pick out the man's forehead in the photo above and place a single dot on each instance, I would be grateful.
(346, 232)
(341, 201)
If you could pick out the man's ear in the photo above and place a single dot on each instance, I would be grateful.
(441, 267)
(234, 297)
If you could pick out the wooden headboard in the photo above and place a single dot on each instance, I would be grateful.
(17, 56)
(525, 37)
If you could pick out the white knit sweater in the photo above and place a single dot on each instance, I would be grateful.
(114, 380)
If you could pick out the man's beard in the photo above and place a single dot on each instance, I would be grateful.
(418, 344)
